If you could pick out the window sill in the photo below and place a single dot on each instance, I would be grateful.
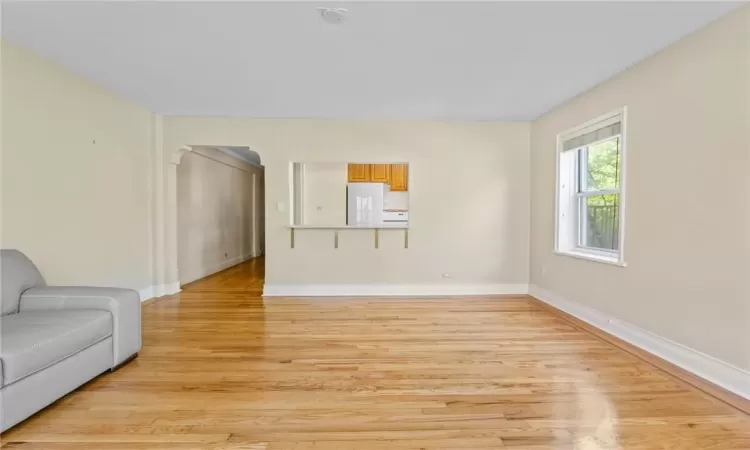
(613, 261)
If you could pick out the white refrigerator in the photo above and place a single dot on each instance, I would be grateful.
(364, 203)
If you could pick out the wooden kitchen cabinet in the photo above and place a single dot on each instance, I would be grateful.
(399, 180)
(359, 173)
(396, 175)
(380, 173)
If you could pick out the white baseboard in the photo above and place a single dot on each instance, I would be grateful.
(223, 265)
(390, 290)
(159, 291)
(217, 268)
(146, 293)
(707, 367)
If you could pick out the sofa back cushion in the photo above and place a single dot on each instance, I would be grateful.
(18, 274)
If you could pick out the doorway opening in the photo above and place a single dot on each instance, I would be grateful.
(220, 216)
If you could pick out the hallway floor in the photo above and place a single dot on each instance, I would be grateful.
(222, 370)
(246, 277)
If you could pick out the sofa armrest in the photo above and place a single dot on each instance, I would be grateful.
(123, 304)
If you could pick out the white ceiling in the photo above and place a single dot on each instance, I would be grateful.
(388, 60)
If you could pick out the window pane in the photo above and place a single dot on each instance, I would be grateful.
(602, 165)
(600, 215)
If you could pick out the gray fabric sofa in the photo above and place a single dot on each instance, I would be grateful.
(54, 339)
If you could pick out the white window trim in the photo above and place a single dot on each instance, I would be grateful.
(591, 254)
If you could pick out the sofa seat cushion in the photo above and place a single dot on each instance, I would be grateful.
(33, 340)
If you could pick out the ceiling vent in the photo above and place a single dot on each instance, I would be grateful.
(333, 15)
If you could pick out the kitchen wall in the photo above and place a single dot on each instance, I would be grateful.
(75, 175)
(687, 244)
(325, 193)
(217, 213)
(469, 221)
(396, 200)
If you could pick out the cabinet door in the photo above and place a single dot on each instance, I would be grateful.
(399, 177)
(359, 172)
(380, 173)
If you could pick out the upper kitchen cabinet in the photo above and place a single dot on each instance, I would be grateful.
(359, 172)
(395, 175)
(380, 173)
(399, 179)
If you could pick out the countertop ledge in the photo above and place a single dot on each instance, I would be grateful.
(396, 225)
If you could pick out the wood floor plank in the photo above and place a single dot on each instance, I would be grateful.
(222, 369)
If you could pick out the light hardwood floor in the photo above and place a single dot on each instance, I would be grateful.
(221, 370)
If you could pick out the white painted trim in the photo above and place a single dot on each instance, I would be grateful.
(603, 120)
(169, 289)
(230, 152)
(176, 156)
(158, 291)
(592, 256)
(623, 182)
(146, 293)
(219, 267)
(707, 367)
(219, 157)
(390, 290)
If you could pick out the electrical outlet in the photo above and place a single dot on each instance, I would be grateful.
(544, 270)
(447, 275)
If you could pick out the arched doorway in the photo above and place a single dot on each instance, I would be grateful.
(215, 211)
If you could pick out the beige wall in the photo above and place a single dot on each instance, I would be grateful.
(687, 244)
(217, 213)
(396, 200)
(469, 204)
(325, 193)
(75, 175)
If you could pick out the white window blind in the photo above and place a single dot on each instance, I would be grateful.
(592, 132)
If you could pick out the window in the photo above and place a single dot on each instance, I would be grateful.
(590, 190)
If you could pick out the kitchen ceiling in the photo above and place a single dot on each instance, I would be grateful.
(386, 60)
